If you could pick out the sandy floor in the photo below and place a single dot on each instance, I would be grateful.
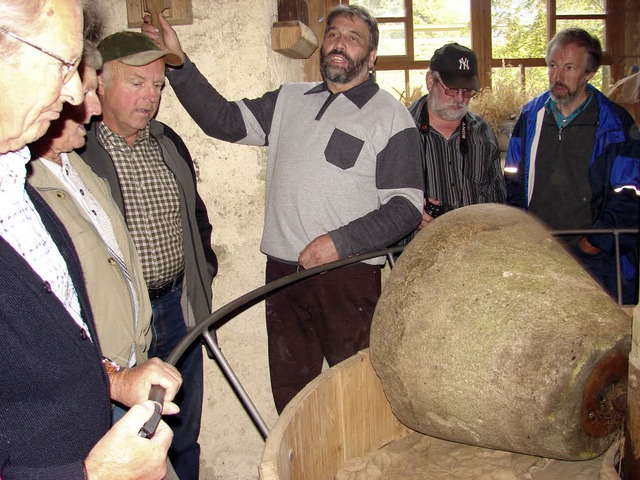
(417, 456)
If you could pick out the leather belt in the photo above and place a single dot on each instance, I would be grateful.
(162, 290)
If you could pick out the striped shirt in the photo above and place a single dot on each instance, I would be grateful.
(458, 179)
(22, 227)
(151, 203)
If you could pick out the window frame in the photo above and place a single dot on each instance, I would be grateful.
(481, 43)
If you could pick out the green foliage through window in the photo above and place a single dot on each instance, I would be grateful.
(518, 31)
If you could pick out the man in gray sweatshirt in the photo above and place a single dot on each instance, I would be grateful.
(344, 176)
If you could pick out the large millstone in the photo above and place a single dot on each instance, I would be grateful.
(489, 333)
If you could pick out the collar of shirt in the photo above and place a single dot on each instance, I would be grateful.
(561, 120)
(56, 168)
(13, 171)
(107, 136)
(359, 95)
(21, 226)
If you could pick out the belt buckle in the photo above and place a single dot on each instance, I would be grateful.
(162, 290)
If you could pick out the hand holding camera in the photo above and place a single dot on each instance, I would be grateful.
(434, 210)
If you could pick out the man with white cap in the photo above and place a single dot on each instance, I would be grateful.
(152, 179)
(460, 151)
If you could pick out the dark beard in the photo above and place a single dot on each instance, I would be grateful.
(341, 75)
(570, 96)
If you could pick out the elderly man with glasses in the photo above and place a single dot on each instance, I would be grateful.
(460, 151)
(55, 420)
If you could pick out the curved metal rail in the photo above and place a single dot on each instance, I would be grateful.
(242, 303)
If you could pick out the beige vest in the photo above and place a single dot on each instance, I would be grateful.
(110, 296)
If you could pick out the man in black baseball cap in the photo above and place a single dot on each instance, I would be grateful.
(457, 66)
(460, 151)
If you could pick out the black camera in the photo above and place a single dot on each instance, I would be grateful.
(434, 210)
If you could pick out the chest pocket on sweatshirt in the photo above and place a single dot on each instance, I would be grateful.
(343, 149)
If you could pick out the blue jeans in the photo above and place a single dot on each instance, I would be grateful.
(168, 328)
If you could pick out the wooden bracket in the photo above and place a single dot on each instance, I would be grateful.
(291, 35)
(293, 39)
(178, 12)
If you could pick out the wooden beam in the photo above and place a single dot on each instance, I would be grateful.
(318, 10)
(481, 42)
(178, 12)
(289, 10)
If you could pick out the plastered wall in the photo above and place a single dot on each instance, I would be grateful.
(230, 41)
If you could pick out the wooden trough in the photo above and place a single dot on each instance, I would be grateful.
(341, 415)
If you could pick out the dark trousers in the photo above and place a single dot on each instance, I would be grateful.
(324, 316)
(168, 328)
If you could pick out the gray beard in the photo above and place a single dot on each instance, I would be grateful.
(443, 112)
(566, 100)
(450, 117)
(340, 75)
(569, 97)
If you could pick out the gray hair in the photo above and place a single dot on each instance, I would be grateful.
(91, 57)
(93, 21)
(581, 38)
(92, 34)
(356, 11)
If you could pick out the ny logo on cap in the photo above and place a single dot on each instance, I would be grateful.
(463, 64)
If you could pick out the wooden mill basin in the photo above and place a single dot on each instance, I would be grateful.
(342, 414)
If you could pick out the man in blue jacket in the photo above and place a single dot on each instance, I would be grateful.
(571, 162)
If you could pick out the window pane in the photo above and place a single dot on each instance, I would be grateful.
(382, 8)
(394, 82)
(519, 29)
(417, 84)
(602, 79)
(594, 27)
(437, 22)
(571, 7)
(535, 79)
(392, 39)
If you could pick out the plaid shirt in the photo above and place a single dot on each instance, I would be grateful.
(22, 228)
(151, 203)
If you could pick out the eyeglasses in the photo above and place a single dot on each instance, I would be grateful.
(454, 92)
(68, 67)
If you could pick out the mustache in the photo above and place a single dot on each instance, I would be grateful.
(335, 51)
(560, 84)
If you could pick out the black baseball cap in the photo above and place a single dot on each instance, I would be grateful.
(136, 49)
(457, 66)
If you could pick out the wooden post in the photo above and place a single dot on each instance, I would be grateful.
(293, 10)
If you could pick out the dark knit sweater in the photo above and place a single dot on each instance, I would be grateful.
(54, 398)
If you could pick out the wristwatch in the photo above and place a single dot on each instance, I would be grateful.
(110, 366)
